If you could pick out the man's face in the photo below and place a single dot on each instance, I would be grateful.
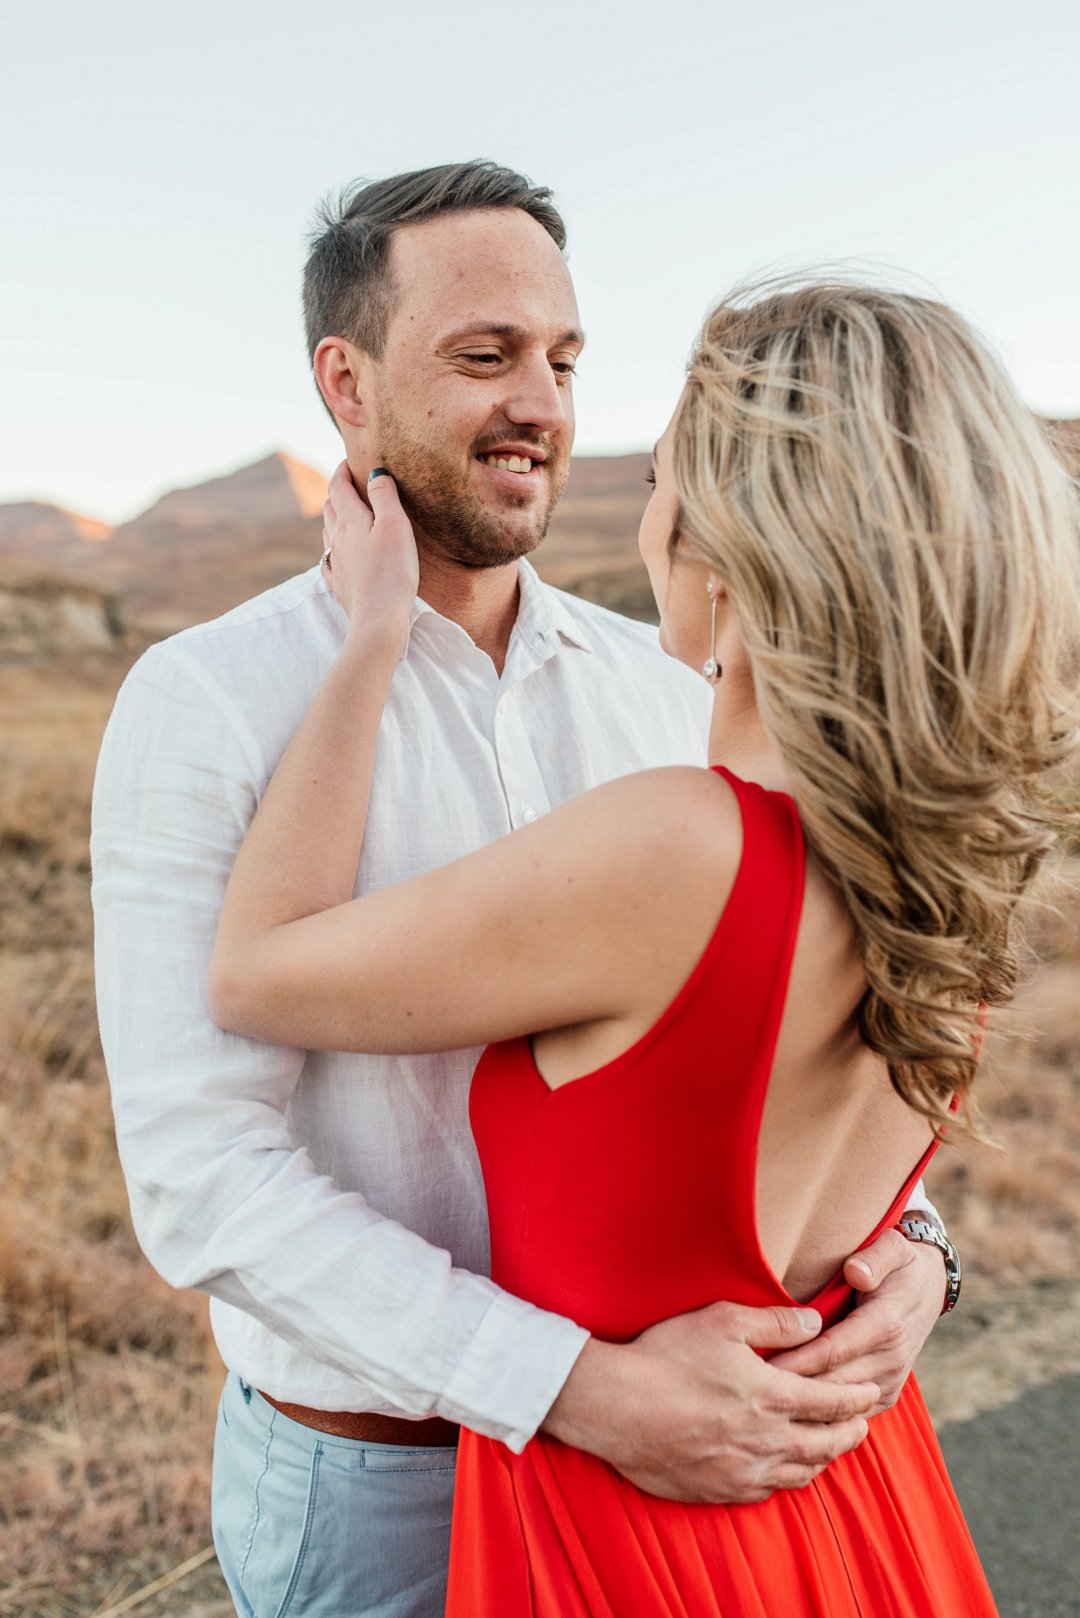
(477, 368)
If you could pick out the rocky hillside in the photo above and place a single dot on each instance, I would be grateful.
(44, 616)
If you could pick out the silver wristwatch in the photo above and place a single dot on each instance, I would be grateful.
(920, 1229)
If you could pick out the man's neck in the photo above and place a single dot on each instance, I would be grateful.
(484, 601)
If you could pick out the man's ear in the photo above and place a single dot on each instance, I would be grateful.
(341, 373)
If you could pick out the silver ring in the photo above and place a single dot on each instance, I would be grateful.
(324, 560)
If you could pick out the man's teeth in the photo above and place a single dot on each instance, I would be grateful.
(509, 463)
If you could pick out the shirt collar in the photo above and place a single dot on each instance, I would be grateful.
(545, 610)
(544, 615)
(419, 608)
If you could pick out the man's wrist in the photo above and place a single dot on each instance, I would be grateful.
(597, 1378)
(919, 1227)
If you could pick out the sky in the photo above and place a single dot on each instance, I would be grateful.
(161, 163)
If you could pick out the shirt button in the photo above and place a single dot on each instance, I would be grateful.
(530, 814)
(502, 705)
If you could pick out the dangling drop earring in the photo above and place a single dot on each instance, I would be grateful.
(711, 669)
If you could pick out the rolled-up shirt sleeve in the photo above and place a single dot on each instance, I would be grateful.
(222, 1198)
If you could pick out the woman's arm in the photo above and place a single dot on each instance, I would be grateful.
(303, 847)
(583, 916)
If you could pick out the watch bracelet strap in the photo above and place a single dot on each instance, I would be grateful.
(915, 1228)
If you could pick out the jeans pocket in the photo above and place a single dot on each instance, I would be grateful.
(310, 1505)
(374, 1538)
(283, 1502)
(395, 1458)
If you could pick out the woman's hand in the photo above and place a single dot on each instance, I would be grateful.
(371, 564)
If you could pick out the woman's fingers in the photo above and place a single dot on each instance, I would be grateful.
(341, 484)
(386, 502)
(343, 503)
(373, 568)
(345, 516)
(392, 530)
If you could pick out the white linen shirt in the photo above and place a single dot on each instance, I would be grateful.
(332, 1204)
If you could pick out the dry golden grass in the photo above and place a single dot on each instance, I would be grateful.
(108, 1380)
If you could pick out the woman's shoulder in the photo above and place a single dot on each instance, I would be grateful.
(678, 826)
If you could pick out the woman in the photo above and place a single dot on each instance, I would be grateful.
(752, 991)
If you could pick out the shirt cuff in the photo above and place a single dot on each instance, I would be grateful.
(919, 1202)
(512, 1371)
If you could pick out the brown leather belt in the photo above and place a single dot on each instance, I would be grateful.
(370, 1428)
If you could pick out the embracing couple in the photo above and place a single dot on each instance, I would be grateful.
(682, 1042)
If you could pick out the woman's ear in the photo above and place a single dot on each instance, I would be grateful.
(340, 372)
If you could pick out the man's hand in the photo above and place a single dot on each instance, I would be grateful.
(902, 1285)
(689, 1411)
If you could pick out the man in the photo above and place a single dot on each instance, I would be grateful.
(331, 1204)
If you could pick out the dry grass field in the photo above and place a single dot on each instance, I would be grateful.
(108, 1380)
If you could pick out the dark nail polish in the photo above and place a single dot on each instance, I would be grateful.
(377, 472)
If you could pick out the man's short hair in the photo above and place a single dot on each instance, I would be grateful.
(348, 286)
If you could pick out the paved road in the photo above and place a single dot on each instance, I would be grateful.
(1017, 1472)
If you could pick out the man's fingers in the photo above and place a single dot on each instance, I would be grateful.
(860, 1337)
(866, 1269)
(817, 1399)
(774, 1327)
(809, 1359)
(817, 1446)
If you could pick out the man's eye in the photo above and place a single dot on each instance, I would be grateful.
(482, 359)
(564, 367)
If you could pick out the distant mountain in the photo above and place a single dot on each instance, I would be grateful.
(277, 489)
(35, 522)
(192, 554)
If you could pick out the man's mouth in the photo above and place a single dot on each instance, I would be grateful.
(512, 458)
(511, 463)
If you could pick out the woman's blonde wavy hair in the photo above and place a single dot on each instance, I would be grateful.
(902, 547)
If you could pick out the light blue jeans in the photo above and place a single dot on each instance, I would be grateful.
(307, 1525)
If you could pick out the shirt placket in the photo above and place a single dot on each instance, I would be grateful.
(531, 649)
(523, 786)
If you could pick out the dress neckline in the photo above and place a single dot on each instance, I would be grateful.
(718, 937)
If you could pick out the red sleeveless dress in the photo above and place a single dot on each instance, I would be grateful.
(624, 1198)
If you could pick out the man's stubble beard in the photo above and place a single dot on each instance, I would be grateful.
(446, 513)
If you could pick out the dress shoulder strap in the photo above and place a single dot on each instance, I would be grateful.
(761, 920)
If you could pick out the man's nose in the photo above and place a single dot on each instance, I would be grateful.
(537, 398)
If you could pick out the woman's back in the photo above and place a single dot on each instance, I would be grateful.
(835, 1138)
(627, 1196)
